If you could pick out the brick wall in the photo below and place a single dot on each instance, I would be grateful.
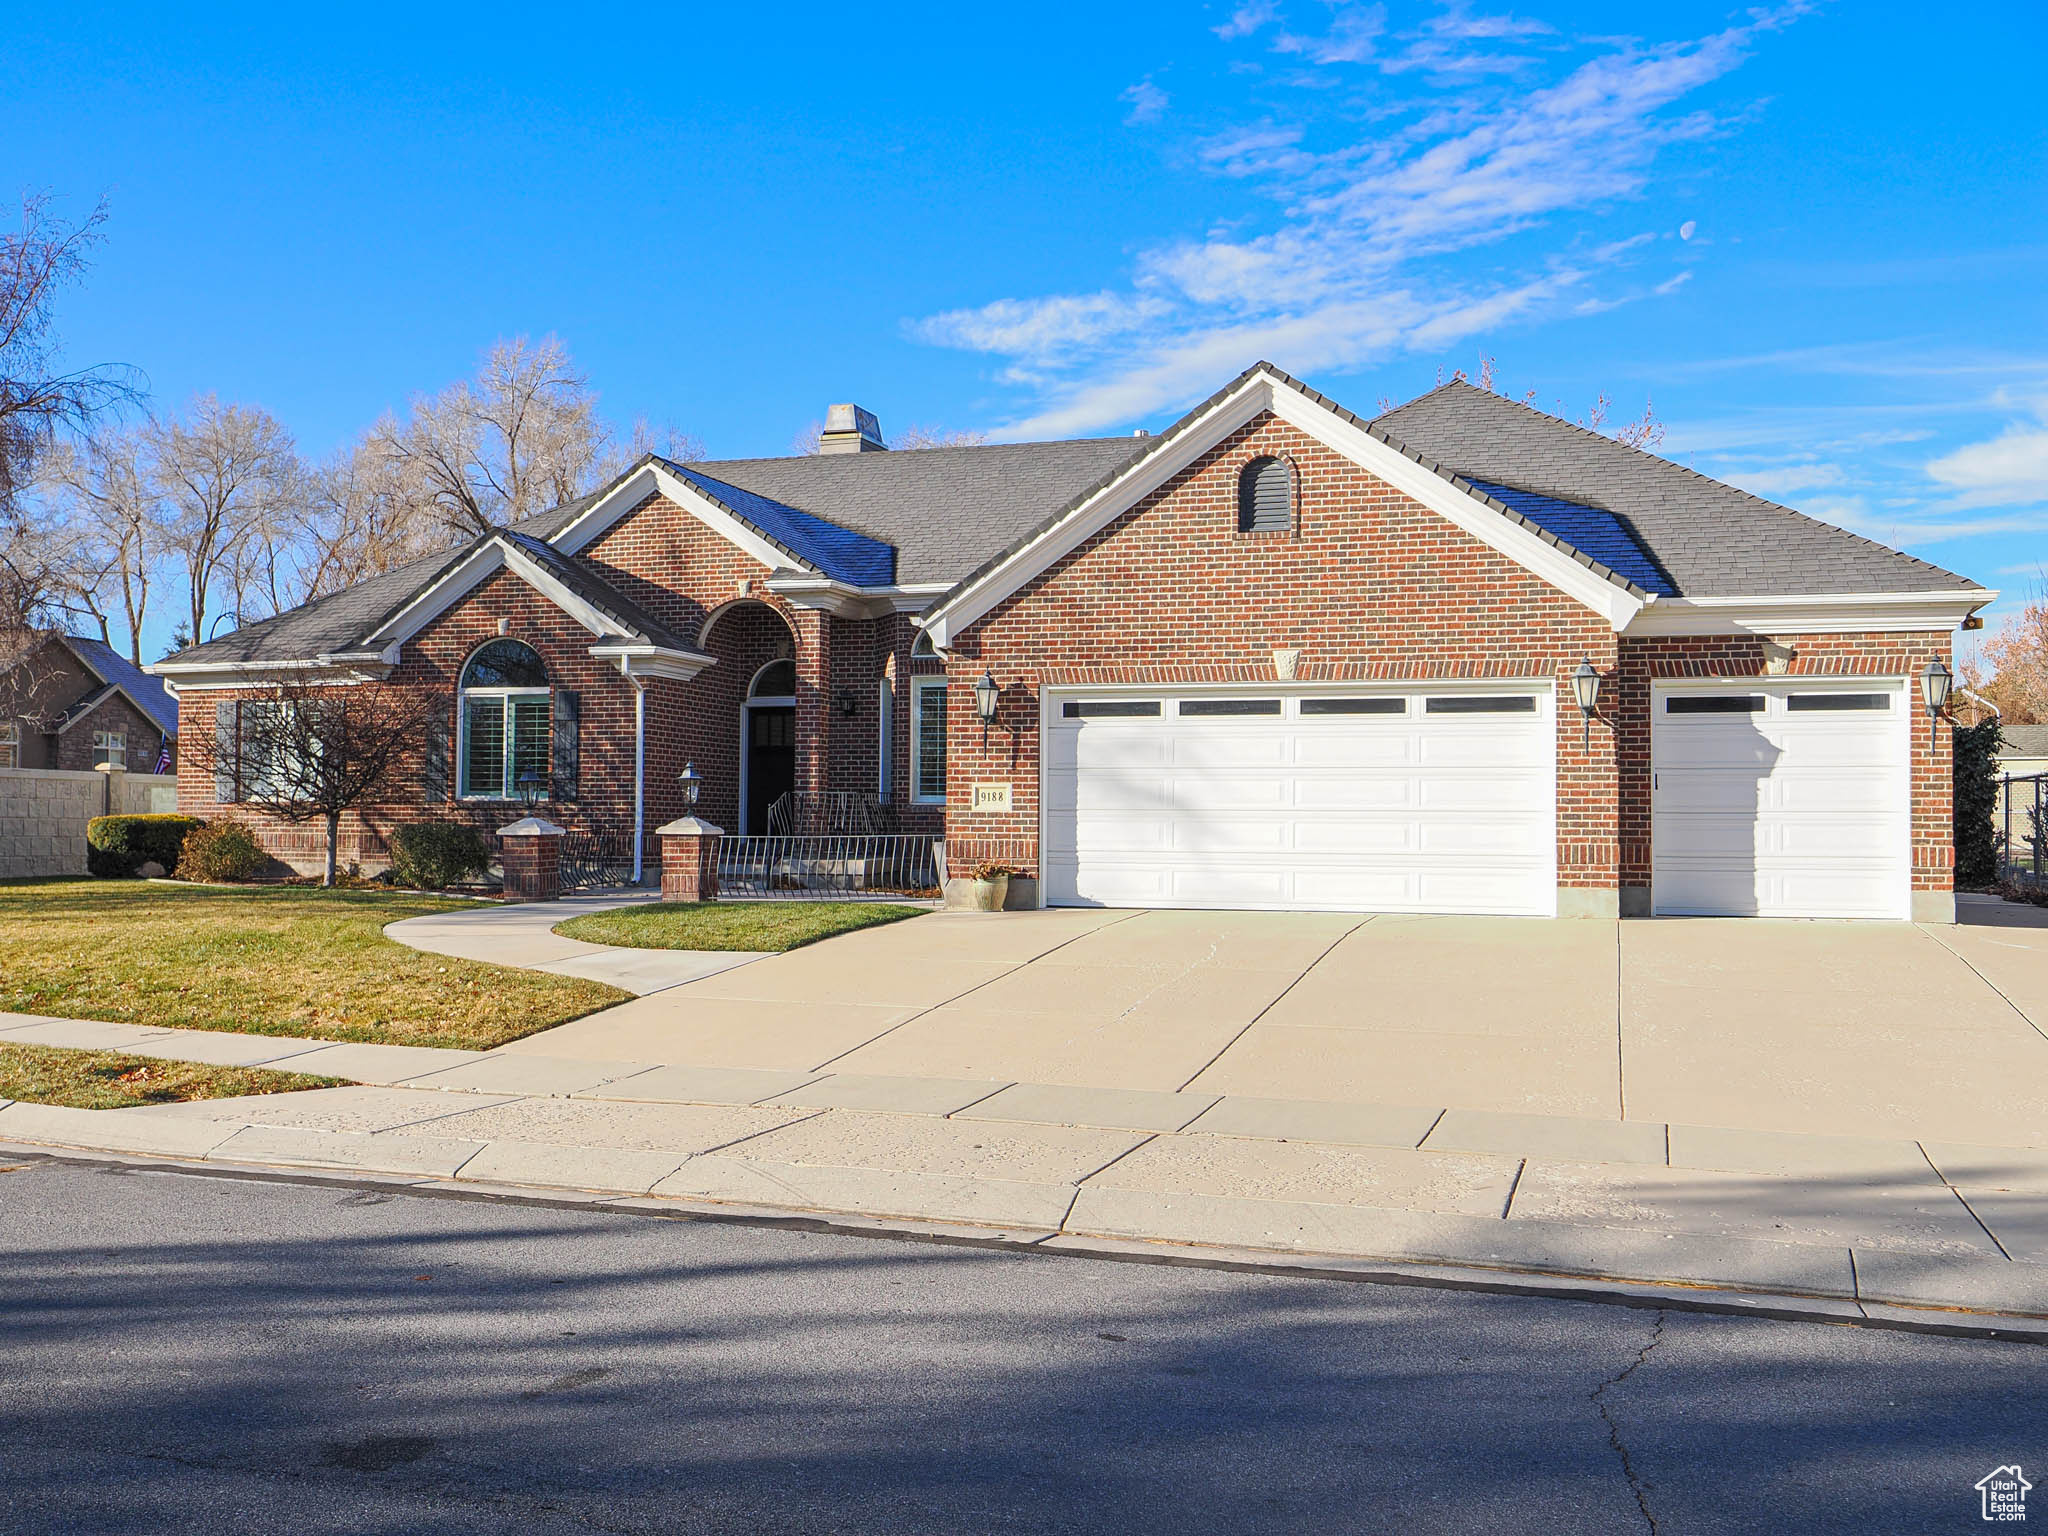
(1368, 584)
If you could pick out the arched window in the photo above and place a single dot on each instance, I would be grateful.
(777, 680)
(507, 722)
(1265, 497)
(922, 645)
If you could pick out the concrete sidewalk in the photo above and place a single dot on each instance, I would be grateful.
(1861, 1225)
(523, 935)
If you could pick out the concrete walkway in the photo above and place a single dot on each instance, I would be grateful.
(523, 935)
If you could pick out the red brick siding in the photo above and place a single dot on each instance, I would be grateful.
(1370, 585)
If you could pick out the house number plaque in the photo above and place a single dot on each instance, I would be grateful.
(991, 797)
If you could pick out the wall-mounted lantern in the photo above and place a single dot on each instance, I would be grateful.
(1935, 682)
(1586, 690)
(988, 693)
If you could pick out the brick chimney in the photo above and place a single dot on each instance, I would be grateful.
(849, 429)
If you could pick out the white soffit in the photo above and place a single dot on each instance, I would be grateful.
(1261, 392)
(1823, 613)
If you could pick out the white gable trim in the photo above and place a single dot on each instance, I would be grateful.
(652, 479)
(643, 660)
(1826, 613)
(1258, 392)
(452, 586)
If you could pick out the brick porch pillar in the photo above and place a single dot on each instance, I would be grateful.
(689, 860)
(533, 860)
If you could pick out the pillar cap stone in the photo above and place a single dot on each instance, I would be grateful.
(689, 826)
(531, 826)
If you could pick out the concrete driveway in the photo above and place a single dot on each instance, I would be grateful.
(1858, 1029)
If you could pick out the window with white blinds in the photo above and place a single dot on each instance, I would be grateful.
(928, 742)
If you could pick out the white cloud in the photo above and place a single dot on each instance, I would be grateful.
(1671, 285)
(1349, 268)
(1776, 484)
(1148, 102)
(2009, 470)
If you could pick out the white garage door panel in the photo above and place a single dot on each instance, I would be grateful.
(1782, 812)
(1349, 811)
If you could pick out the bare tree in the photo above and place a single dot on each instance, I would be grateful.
(224, 473)
(358, 522)
(111, 520)
(523, 437)
(310, 753)
(914, 436)
(2012, 670)
(37, 401)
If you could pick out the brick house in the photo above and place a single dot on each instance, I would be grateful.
(71, 702)
(1276, 656)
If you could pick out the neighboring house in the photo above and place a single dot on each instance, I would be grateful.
(73, 703)
(2026, 750)
(1277, 656)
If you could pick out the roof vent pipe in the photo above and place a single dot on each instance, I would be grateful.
(849, 429)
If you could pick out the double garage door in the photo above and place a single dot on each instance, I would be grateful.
(1437, 798)
(1769, 798)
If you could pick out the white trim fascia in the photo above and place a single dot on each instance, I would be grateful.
(1261, 392)
(467, 575)
(1816, 613)
(649, 480)
(640, 660)
(206, 676)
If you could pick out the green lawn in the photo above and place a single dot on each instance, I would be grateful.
(758, 925)
(270, 960)
(54, 1074)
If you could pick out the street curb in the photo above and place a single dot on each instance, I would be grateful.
(1939, 1322)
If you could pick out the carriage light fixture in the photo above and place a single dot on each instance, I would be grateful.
(1586, 689)
(987, 694)
(1935, 682)
(693, 785)
(528, 787)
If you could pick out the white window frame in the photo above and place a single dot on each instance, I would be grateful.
(885, 736)
(111, 748)
(508, 786)
(10, 744)
(920, 690)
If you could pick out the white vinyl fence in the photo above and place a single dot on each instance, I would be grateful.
(43, 812)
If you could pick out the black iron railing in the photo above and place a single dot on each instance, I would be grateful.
(836, 867)
(2023, 827)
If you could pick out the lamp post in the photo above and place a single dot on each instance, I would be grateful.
(1935, 682)
(1586, 689)
(528, 787)
(692, 783)
(988, 693)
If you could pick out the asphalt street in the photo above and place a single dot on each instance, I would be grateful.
(207, 1354)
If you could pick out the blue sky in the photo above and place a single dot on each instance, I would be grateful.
(1815, 235)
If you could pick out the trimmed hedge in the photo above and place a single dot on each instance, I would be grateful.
(221, 852)
(434, 855)
(1976, 802)
(117, 846)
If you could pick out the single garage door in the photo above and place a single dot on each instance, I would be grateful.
(1430, 798)
(1782, 799)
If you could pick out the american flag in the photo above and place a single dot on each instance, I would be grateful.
(163, 760)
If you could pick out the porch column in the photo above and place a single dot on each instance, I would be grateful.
(533, 860)
(689, 860)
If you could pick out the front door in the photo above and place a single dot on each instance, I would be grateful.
(771, 762)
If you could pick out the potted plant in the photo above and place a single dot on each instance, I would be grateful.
(989, 886)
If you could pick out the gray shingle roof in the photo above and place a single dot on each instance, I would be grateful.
(2025, 741)
(331, 623)
(945, 509)
(1712, 539)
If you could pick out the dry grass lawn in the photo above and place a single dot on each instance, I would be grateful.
(55, 1074)
(290, 960)
(770, 926)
